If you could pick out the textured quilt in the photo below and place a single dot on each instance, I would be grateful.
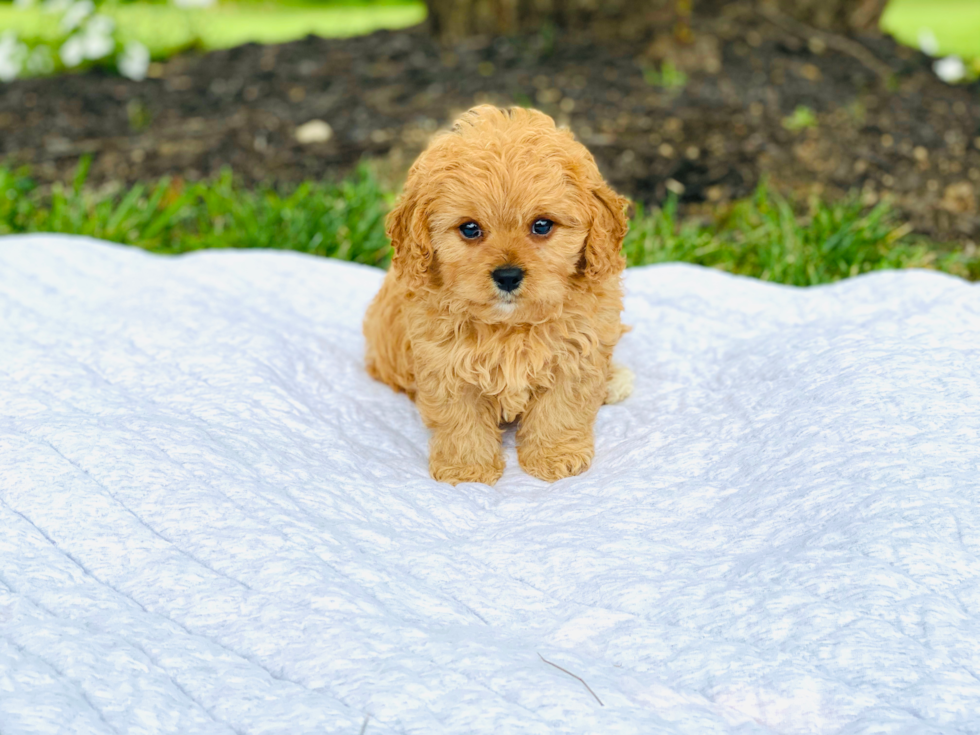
(213, 521)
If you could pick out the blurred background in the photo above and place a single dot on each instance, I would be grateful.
(799, 141)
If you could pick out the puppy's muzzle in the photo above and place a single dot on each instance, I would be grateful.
(508, 277)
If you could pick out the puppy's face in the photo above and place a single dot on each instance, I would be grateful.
(505, 214)
(507, 231)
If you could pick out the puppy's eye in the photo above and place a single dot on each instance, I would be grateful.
(542, 226)
(470, 230)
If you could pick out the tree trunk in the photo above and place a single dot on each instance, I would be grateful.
(854, 16)
(456, 19)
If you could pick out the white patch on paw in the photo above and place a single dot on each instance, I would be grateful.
(620, 385)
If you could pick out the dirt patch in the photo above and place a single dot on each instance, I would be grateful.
(748, 99)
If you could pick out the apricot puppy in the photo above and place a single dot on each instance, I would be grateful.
(504, 296)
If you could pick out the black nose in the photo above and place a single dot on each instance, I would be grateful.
(508, 277)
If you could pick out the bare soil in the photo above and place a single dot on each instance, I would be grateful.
(812, 113)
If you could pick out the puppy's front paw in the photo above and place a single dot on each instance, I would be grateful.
(460, 456)
(454, 474)
(554, 463)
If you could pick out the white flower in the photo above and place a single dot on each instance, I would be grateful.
(134, 61)
(56, 6)
(72, 51)
(75, 14)
(951, 69)
(928, 43)
(12, 55)
(193, 3)
(40, 62)
(97, 37)
(101, 25)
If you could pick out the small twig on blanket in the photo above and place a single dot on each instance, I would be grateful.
(831, 40)
(574, 677)
(364, 726)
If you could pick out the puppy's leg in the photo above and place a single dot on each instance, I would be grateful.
(465, 444)
(389, 351)
(555, 437)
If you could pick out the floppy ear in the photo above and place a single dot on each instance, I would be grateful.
(603, 246)
(407, 226)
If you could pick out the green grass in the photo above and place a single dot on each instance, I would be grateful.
(668, 77)
(767, 238)
(763, 236)
(956, 24)
(343, 220)
(165, 28)
(802, 118)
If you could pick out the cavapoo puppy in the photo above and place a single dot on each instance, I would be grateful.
(503, 299)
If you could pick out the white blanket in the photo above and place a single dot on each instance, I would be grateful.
(213, 521)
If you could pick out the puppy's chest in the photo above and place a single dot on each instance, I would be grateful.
(511, 370)
(513, 403)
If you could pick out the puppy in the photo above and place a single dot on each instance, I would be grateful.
(504, 296)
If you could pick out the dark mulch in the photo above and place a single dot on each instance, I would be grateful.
(904, 132)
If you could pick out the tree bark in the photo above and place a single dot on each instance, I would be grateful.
(842, 16)
(456, 19)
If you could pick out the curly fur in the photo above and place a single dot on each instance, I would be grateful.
(472, 356)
